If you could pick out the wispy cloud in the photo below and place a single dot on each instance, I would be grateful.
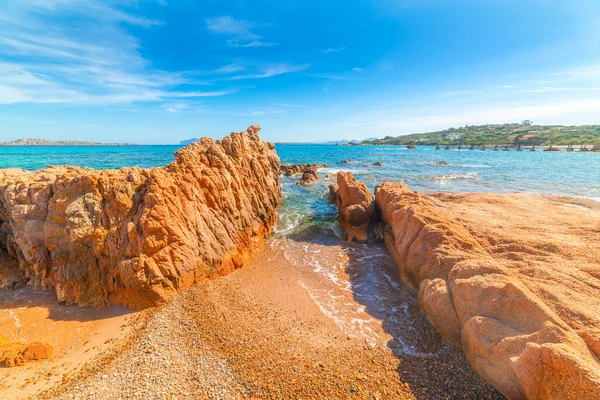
(254, 43)
(272, 70)
(260, 112)
(93, 59)
(356, 69)
(331, 77)
(333, 50)
(240, 32)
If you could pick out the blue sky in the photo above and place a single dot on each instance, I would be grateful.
(159, 71)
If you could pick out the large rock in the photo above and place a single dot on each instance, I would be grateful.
(137, 236)
(356, 206)
(513, 280)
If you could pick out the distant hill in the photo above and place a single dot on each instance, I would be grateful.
(189, 141)
(42, 142)
(512, 134)
(342, 142)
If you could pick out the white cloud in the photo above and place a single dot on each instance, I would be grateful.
(228, 26)
(356, 69)
(333, 50)
(239, 31)
(93, 59)
(272, 70)
(230, 68)
(254, 43)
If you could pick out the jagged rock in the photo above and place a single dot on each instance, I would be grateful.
(440, 163)
(411, 147)
(516, 290)
(356, 207)
(378, 164)
(137, 236)
(294, 169)
(308, 177)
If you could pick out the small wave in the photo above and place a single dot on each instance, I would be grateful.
(446, 178)
(474, 165)
(441, 163)
(336, 170)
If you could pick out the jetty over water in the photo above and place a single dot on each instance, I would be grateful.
(520, 147)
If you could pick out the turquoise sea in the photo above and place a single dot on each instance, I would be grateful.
(575, 174)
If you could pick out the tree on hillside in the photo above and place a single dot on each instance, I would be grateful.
(527, 122)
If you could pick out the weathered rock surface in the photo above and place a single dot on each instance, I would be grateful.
(513, 280)
(294, 169)
(137, 236)
(356, 206)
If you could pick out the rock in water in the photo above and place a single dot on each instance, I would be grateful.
(523, 305)
(308, 177)
(333, 192)
(294, 169)
(356, 206)
(138, 236)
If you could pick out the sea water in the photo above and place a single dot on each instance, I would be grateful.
(573, 173)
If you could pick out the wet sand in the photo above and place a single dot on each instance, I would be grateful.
(312, 316)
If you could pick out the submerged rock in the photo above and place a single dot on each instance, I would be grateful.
(378, 164)
(500, 284)
(137, 236)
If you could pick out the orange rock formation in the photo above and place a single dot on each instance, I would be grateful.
(355, 204)
(137, 236)
(513, 280)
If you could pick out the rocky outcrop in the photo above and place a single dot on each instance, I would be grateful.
(17, 354)
(308, 177)
(295, 169)
(137, 236)
(356, 206)
(378, 164)
(517, 291)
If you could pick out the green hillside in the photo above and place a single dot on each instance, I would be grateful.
(514, 134)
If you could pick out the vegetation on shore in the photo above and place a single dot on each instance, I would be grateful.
(512, 134)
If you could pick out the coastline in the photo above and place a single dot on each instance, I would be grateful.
(340, 319)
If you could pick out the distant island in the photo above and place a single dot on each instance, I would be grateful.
(525, 134)
(42, 142)
(189, 141)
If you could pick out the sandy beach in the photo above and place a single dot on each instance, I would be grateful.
(261, 332)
